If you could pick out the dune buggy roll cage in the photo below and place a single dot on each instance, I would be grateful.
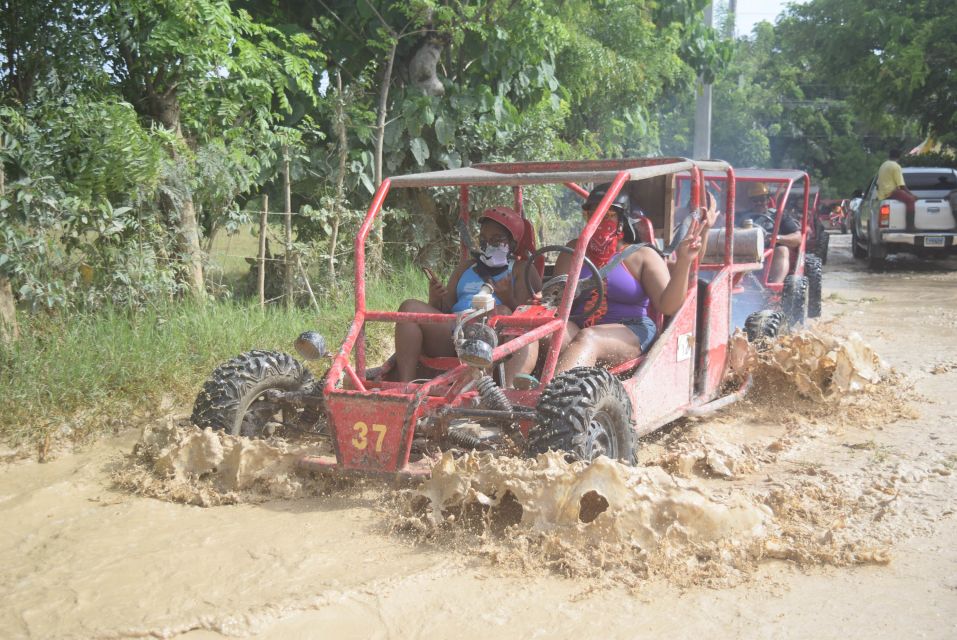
(516, 175)
(782, 180)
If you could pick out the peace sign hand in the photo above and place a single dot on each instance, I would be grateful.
(689, 247)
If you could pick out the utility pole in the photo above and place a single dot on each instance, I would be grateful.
(702, 112)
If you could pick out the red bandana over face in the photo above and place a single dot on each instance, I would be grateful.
(604, 242)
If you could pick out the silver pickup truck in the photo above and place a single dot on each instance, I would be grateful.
(882, 227)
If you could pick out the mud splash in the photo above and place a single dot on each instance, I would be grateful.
(817, 365)
(622, 524)
(677, 517)
(670, 518)
(182, 463)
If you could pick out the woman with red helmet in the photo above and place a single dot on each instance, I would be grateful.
(501, 231)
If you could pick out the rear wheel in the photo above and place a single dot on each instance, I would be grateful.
(875, 255)
(814, 271)
(235, 398)
(794, 299)
(584, 412)
(857, 250)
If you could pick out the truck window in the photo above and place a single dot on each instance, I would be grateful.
(926, 181)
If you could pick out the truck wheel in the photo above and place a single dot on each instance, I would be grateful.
(875, 256)
(763, 325)
(586, 413)
(232, 399)
(814, 270)
(794, 299)
(857, 250)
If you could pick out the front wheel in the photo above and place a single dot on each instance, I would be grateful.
(763, 326)
(794, 300)
(814, 271)
(822, 242)
(584, 412)
(235, 398)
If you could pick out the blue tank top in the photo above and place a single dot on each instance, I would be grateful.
(469, 284)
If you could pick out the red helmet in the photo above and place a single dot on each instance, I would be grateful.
(508, 218)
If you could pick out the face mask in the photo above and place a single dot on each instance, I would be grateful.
(604, 242)
(494, 255)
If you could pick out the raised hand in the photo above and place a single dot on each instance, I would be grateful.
(689, 247)
(709, 212)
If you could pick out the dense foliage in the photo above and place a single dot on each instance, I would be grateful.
(133, 132)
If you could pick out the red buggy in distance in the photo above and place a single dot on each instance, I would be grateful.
(394, 429)
(760, 305)
(833, 214)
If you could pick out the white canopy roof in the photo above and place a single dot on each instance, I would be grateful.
(524, 173)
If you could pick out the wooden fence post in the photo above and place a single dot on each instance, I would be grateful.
(289, 274)
(262, 251)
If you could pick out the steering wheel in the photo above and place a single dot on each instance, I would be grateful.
(553, 290)
(765, 221)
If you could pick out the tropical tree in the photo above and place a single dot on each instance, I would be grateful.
(202, 72)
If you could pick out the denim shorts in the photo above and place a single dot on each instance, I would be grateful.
(644, 329)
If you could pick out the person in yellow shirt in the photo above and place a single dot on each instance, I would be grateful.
(890, 184)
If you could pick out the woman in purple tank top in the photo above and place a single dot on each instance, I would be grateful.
(621, 330)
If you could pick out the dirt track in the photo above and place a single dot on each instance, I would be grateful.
(79, 558)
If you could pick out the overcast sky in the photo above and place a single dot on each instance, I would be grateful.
(751, 12)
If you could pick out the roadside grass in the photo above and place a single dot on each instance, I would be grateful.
(77, 376)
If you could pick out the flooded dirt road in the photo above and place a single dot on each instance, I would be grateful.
(860, 540)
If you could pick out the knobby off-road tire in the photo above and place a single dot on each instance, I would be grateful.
(763, 326)
(814, 270)
(822, 241)
(231, 399)
(794, 300)
(584, 412)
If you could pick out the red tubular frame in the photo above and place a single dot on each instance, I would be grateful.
(537, 323)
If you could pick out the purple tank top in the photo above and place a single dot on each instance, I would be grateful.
(624, 296)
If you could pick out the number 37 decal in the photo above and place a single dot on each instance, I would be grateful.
(360, 440)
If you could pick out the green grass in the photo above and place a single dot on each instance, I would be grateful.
(79, 375)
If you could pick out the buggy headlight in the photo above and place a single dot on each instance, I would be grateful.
(311, 345)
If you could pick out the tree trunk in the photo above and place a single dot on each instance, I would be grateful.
(375, 258)
(165, 109)
(9, 329)
(188, 237)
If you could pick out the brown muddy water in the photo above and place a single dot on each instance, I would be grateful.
(827, 514)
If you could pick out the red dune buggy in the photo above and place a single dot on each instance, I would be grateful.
(761, 306)
(394, 428)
